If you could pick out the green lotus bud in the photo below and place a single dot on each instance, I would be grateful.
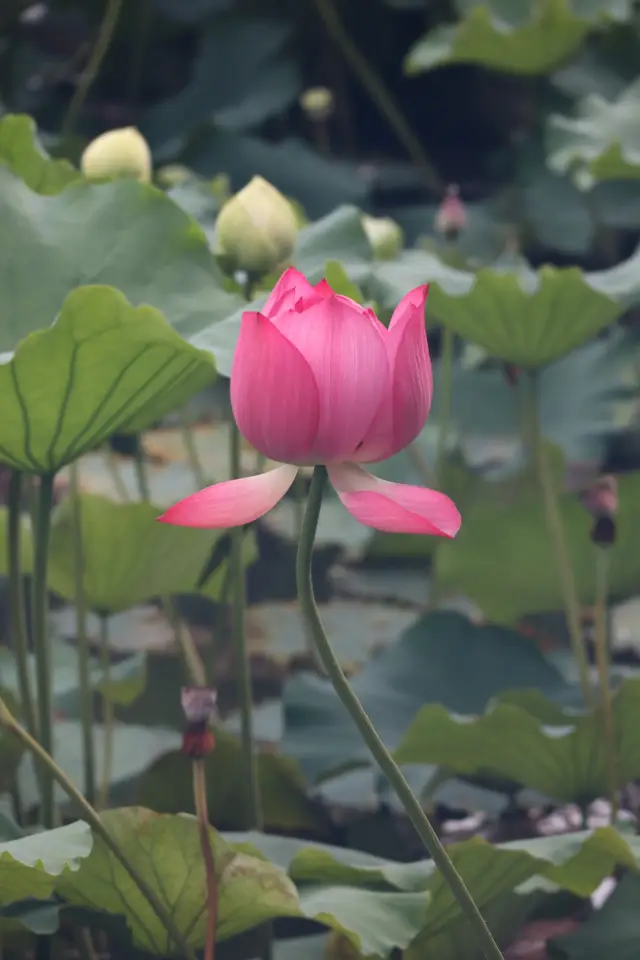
(317, 103)
(172, 175)
(384, 235)
(118, 153)
(256, 229)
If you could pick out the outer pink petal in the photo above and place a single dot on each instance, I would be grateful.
(346, 350)
(323, 289)
(292, 285)
(274, 395)
(232, 502)
(412, 377)
(394, 507)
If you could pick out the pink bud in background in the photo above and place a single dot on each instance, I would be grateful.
(451, 216)
(317, 378)
(601, 500)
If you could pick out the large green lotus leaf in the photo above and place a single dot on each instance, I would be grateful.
(128, 556)
(30, 866)
(613, 931)
(523, 38)
(567, 762)
(22, 153)
(602, 142)
(529, 320)
(102, 366)
(503, 558)
(166, 851)
(443, 657)
(166, 787)
(123, 234)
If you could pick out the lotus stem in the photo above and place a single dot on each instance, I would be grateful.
(8, 721)
(602, 663)
(191, 450)
(107, 713)
(39, 600)
(17, 611)
(446, 395)
(202, 816)
(84, 678)
(381, 755)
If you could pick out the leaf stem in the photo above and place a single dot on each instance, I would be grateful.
(107, 713)
(84, 679)
(368, 732)
(90, 72)
(446, 393)
(558, 535)
(237, 574)
(92, 817)
(379, 93)
(202, 816)
(39, 600)
(602, 663)
(192, 452)
(17, 610)
(142, 475)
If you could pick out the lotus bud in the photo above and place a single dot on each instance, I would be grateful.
(256, 229)
(172, 175)
(118, 153)
(601, 500)
(199, 707)
(384, 235)
(317, 103)
(451, 216)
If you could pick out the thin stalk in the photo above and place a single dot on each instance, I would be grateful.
(107, 713)
(192, 453)
(17, 611)
(8, 721)
(602, 663)
(202, 816)
(84, 679)
(242, 657)
(142, 475)
(39, 597)
(446, 394)
(261, 462)
(381, 755)
(90, 72)
(116, 476)
(558, 535)
(379, 93)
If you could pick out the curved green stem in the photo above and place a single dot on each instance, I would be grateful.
(142, 474)
(39, 598)
(602, 663)
(242, 656)
(555, 525)
(8, 721)
(107, 713)
(191, 450)
(90, 72)
(17, 612)
(84, 678)
(446, 394)
(381, 96)
(367, 731)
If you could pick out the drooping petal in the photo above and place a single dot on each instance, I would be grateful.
(394, 507)
(346, 350)
(232, 503)
(274, 395)
(411, 374)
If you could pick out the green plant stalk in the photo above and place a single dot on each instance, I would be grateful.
(84, 678)
(142, 475)
(375, 87)
(602, 663)
(17, 613)
(8, 721)
(254, 802)
(381, 755)
(192, 452)
(116, 476)
(108, 718)
(39, 598)
(558, 535)
(202, 816)
(446, 396)
(89, 74)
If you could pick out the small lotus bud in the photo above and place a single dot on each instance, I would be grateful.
(118, 153)
(256, 229)
(384, 235)
(317, 103)
(601, 500)
(172, 175)
(451, 217)
(199, 706)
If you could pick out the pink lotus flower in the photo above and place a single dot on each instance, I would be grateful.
(317, 378)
